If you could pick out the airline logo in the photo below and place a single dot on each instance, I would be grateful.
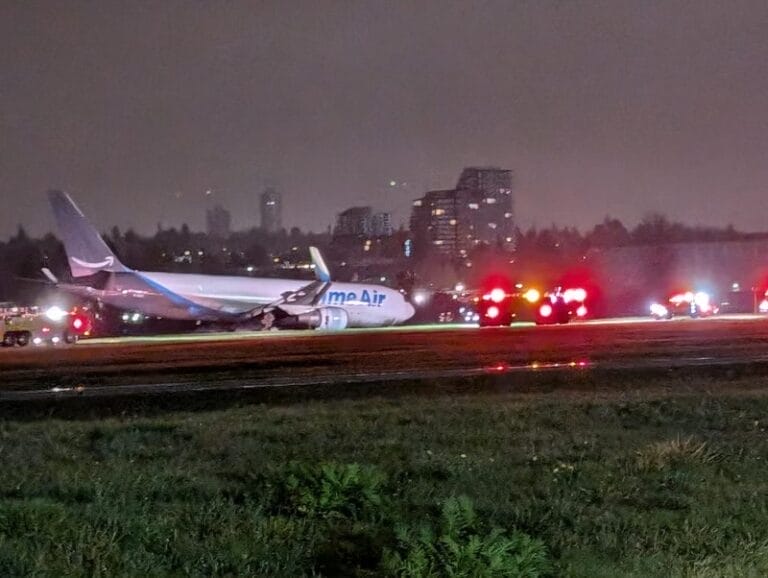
(370, 298)
(107, 262)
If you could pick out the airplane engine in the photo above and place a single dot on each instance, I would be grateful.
(333, 318)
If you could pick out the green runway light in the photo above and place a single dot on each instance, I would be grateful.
(425, 328)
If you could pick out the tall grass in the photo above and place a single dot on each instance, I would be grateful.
(667, 453)
(625, 485)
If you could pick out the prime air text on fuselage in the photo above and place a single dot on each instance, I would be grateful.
(369, 297)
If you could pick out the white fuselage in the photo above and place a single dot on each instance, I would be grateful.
(366, 305)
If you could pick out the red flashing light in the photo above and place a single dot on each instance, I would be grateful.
(492, 312)
(545, 310)
(80, 324)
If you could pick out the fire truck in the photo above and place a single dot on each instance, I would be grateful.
(561, 305)
(52, 327)
(499, 307)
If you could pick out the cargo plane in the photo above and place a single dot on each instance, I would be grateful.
(229, 301)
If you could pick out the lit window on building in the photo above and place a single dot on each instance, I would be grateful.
(453, 221)
(473, 206)
(507, 215)
(438, 212)
(490, 200)
(492, 225)
(417, 203)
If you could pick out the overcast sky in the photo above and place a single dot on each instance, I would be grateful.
(616, 107)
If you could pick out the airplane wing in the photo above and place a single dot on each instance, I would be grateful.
(321, 269)
(308, 296)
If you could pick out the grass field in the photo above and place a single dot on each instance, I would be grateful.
(631, 481)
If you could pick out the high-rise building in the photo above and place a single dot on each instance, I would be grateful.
(218, 222)
(478, 211)
(381, 225)
(488, 192)
(362, 222)
(359, 231)
(271, 211)
(435, 223)
(353, 222)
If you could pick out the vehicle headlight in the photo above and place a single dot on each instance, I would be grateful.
(658, 310)
(701, 299)
(55, 313)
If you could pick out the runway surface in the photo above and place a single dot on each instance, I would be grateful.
(280, 359)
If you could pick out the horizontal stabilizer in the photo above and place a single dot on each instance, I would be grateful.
(49, 275)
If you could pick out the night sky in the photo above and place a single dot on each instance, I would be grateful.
(616, 107)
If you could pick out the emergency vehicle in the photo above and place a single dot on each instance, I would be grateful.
(52, 327)
(686, 304)
(499, 307)
(560, 306)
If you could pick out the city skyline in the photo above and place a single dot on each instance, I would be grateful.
(617, 109)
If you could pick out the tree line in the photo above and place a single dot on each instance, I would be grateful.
(182, 250)
(653, 229)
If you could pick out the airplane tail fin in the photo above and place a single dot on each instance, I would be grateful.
(87, 252)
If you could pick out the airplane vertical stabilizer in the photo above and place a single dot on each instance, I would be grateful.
(87, 252)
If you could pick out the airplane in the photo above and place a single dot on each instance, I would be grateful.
(227, 301)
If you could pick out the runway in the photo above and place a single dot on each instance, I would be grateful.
(281, 359)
